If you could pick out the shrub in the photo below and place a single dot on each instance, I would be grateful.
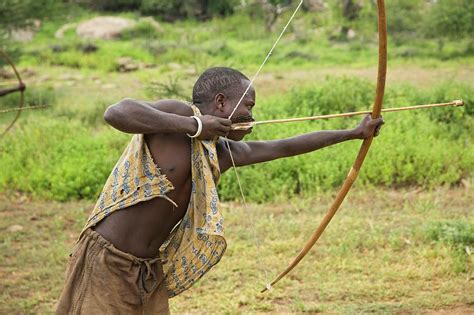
(143, 29)
(405, 18)
(110, 5)
(59, 160)
(456, 233)
(450, 18)
(42, 95)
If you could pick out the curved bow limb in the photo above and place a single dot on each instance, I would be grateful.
(22, 93)
(364, 149)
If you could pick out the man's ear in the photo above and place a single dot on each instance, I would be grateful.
(219, 101)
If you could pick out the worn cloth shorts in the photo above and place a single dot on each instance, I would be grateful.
(100, 279)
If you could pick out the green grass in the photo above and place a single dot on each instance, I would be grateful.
(385, 252)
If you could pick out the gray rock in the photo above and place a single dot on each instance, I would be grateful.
(104, 27)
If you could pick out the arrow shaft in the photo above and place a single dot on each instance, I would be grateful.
(244, 126)
(3, 111)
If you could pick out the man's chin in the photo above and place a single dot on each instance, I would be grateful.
(238, 135)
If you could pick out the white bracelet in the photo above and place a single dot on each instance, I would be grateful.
(199, 130)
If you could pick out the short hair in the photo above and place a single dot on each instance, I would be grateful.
(217, 80)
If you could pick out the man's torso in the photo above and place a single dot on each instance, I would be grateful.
(141, 228)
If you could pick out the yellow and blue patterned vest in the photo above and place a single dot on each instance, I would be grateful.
(197, 243)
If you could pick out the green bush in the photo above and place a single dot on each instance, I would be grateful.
(188, 8)
(143, 29)
(58, 159)
(165, 8)
(110, 5)
(450, 18)
(21, 14)
(33, 96)
(37, 95)
(456, 233)
(405, 18)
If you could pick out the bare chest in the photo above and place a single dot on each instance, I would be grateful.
(172, 154)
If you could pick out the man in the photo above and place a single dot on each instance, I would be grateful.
(157, 227)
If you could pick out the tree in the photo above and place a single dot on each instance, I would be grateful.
(452, 19)
(15, 14)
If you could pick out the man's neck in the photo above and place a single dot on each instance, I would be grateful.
(204, 109)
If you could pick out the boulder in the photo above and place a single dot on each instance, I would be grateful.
(104, 27)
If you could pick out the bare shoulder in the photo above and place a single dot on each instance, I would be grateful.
(173, 106)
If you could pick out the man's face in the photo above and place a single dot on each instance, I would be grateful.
(243, 113)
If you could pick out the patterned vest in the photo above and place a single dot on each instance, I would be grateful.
(197, 243)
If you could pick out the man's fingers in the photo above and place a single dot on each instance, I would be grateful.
(225, 122)
(223, 131)
(376, 121)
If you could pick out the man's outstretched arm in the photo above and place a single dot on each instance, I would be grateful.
(246, 153)
(20, 87)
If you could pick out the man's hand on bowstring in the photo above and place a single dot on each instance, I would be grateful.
(369, 127)
(213, 126)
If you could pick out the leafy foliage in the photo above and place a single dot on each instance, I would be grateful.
(451, 18)
(19, 14)
(456, 233)
(167, 9)
(405, 18)
(143, 29)
(67, 165)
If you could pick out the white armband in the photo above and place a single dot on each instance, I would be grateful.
(199, 130)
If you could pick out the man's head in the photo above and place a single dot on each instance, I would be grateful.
(218, 90)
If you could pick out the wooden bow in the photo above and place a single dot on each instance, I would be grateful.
(354, 171)
(22, 93)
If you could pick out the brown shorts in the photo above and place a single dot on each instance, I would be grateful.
(100, 279)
